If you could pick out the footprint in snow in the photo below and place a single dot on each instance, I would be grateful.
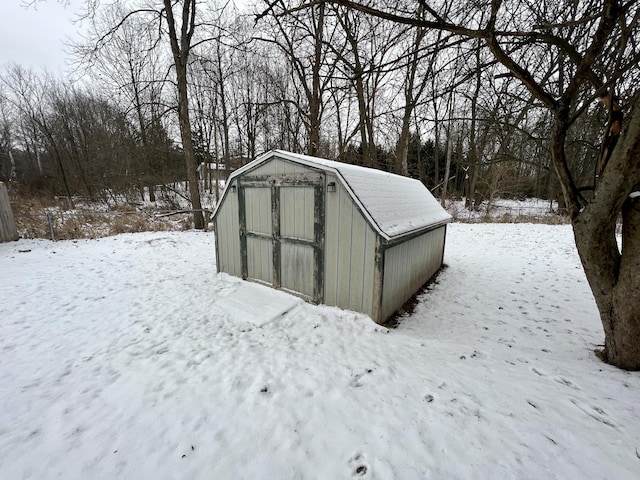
(355, 381)
(568, 383)
(594, 412)
(359, 466)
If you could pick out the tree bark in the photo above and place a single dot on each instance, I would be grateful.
(315, 101)
(614, 274)
(447, 165)
(180, 48)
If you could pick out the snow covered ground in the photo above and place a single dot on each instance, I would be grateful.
(129, 357)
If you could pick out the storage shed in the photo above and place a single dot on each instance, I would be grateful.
(330, 232)
(8, 229)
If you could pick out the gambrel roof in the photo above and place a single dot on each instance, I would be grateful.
(393, 204)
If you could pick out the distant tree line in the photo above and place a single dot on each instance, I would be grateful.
(324, 80)
(73, 141)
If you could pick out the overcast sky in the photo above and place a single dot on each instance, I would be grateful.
(35, 38)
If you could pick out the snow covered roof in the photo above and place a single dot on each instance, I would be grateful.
(395, 205)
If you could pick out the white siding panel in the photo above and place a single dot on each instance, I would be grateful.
(268, 168)
(369, 270)
(345, 217)
(260, 259)
(297, 268)
(358, 238)
(257, 201)
(331, 239)
(297, 212)
(349, 253)
(408, 266)
(278, 166)
(228, 236)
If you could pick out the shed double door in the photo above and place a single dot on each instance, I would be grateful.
(282, 232)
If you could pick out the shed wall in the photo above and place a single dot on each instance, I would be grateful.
(8, 229)
(350, 245)
(257, 201)
(227, 226)
(278, 166)
(408, 266)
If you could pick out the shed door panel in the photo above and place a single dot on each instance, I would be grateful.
(297, 212)
(260, 259)
(283, 233)
(297, 237)
(258, 210)
(297, 268)
(259, 234)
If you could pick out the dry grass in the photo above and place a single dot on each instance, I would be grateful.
(94, 220)
(549, 219)
(462, 215)
(30, 212)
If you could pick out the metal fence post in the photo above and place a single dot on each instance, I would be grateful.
(50, 221)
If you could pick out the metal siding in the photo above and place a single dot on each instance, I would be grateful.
(356, 280)
(227, 236)
(8, 230)
(345, 217)
(258, 220)
(259, 259)
(296, 207)
(349, 253)
(281, 234)
(297, 222)
(350, 244)
(277, 166)
(258, 209)
(297, 268)
(369, 270)
(332, 214)
(408, 266)
(268, 168)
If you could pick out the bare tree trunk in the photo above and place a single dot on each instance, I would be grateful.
(226, 148)
(12, 171)
(411, 98)
(316, 91)
(180, 48)
(402, 147)
(472, 171)
(217, 154)
(447, 165)
(613, 274)
(436, 147)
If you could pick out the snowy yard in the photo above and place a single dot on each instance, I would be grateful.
(129, 357)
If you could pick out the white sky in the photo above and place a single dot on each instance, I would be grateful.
(35, 37)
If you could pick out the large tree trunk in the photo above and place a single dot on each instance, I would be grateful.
(613, 273)
(315, 101)
(447, 165)
(180, 47)
(187, 147)
(402, 147)
(615, 282)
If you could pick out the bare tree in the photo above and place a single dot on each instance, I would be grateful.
(181, 44)
(175, 20)
(593, 45)
(306, 39)
(130, 65)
